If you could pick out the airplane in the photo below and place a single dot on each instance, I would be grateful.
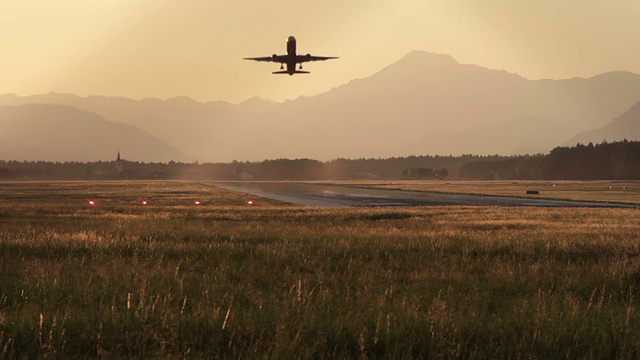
(291, 59)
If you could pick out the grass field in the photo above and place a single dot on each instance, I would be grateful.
(600, 190)
(230, 280)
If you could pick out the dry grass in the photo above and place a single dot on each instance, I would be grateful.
(602, 191)
(231, 280)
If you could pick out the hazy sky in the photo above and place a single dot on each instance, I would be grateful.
(162, 48)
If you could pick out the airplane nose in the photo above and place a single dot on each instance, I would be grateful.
(291, 38)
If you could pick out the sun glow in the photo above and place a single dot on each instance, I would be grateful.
(51, 39)
(164, 49)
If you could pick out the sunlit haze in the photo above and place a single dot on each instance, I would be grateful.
(163, 49)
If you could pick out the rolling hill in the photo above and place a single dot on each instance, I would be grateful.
(625, 126)
(62, 133)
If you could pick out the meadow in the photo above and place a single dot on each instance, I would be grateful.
(230, 280)
(617, 191)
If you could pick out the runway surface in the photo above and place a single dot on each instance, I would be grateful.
(348, 195)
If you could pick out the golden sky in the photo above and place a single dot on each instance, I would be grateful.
(162, 48)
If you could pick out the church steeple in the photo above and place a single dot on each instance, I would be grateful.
(119, 163)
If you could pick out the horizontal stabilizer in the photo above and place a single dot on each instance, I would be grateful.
(295, 72)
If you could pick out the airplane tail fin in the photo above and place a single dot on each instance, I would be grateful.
(295, 72)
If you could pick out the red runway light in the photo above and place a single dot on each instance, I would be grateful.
(145, 202)
(250, 202)
(92, 203)
(196, 202)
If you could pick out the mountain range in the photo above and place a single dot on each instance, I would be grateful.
(64, 133)
(423, 104)
(625, 126)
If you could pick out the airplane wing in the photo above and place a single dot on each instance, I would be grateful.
(274, 58)
(309, 57)
(294, 72)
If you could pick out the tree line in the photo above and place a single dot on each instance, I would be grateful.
(616, 160)
(278, 169)
(606, 161)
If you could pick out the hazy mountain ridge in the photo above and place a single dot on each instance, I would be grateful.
(50, 132)
(178, 121)
(425, 96)
(422, 104)
(625, 126)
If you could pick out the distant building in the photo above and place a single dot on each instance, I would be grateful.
(119, 163)
(245, 176)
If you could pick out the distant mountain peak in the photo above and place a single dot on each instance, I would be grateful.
(424, 63)
(426, 56)
(421, 60)
(183, 100)
(615, 75)
(258, 104)
(255, 100)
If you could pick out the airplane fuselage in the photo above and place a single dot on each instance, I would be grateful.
(291, 59)
(292, 56)
(291, 46)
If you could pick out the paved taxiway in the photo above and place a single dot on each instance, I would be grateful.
(312, 194)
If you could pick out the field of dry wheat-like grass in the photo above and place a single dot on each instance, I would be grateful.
(600, 190)
(230, 280)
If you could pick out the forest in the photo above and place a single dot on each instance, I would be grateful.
(615, 161)
(605, 161)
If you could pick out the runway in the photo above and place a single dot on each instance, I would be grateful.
(311, 194)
